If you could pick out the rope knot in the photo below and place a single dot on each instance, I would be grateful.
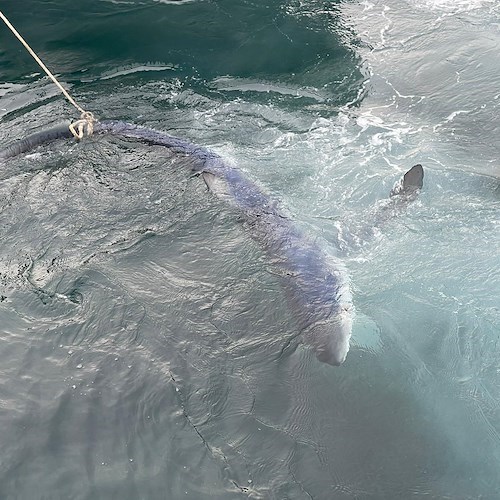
(84, 124)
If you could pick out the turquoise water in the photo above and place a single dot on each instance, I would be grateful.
(142, 328)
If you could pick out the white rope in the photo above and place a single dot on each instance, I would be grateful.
(87, 119)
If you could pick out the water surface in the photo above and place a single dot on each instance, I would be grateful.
(142, 328)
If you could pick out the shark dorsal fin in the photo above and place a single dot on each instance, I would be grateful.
(410, 182)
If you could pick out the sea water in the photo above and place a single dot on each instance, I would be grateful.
(147, 348)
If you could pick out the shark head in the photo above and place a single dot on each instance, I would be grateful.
(329, 338)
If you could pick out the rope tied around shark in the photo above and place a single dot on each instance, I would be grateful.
(83, 126)
(85, 123)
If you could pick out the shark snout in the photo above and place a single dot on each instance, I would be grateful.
(330, 339)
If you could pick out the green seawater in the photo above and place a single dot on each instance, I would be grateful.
(147, 349)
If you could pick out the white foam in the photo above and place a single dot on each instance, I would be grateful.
(175, 2)
(453, 6)
(248, 85)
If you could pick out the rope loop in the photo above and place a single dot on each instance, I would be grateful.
(84, 124)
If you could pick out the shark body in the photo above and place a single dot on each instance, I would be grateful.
(316, 283)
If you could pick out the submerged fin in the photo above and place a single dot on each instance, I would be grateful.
(210, 180)
(412, 181)
(218, 186)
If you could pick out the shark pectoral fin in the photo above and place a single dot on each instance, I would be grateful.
(410, 182)
(210, 180)
(217, 186)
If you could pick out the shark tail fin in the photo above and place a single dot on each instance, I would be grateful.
(410, 183)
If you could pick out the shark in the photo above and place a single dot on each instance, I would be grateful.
(316, 282)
